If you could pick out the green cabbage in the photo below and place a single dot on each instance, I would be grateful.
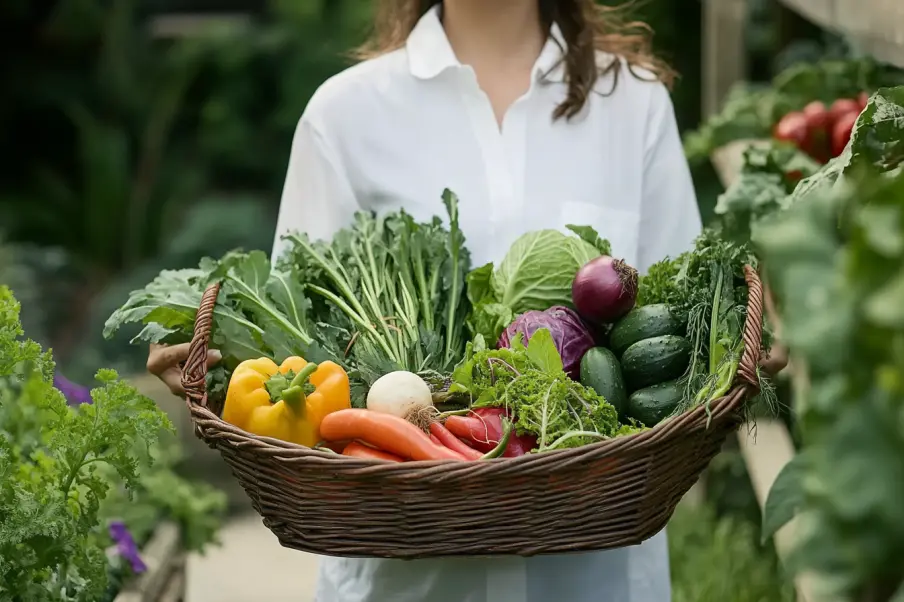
(535, 274)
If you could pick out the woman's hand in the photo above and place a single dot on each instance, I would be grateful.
(776, 358)
(165, 362)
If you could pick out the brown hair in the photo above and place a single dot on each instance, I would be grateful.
(586, 27)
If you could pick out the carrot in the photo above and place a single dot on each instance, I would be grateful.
(452, 442)
(386, 432)
(435, 440)
(359, 450)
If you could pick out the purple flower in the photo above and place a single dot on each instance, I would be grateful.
(74, 394)
(126, 547)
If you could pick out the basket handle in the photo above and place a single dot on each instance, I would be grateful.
(194, 373)
(753, 329)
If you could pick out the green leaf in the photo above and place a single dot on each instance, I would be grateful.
(479, 287)
(786, 497)
(591, 236)
(488, 320)
(878, 136)
(885, 307)
(542, 352)
(538, 270)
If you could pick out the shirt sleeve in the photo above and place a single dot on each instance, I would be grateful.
(317, 199)
(670, 217)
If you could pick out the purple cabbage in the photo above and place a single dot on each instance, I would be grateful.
(573, 336)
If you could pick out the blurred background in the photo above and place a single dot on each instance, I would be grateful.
(145, 134)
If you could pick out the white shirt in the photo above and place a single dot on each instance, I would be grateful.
(392, 133)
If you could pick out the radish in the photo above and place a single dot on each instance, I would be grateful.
(604, 289)
(400, 393)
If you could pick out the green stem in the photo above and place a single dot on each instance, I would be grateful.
(497, 451)
(294, 395)
(278, 317)
(714, 327)
(341, 283)
(357, 319)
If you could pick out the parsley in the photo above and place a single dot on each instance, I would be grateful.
(530, 382)
(51, 482)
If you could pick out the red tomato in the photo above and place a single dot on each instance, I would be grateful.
(841, 132)
(819, 125)
(843, 106)
(795, 176)
(863, 99)
(793, 128)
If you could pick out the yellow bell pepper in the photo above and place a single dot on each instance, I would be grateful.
(285, 402)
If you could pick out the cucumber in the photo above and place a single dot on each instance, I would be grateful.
(643, 323)
(653, 404)
(601, 372)
(656, 360)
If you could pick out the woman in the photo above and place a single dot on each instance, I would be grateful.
(538, 114)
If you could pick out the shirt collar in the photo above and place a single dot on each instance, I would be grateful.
(429, 51)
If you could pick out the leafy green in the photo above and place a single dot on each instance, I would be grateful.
(705, 288)
(718, 558)
(536, 274)
(160, 493)
(786, 496)
(878, 136)
(531, 384)
(391, 289)
(767, 177)
(260, 311)
(835, 262)
(51, 489)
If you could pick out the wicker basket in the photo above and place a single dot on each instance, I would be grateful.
(607, 495)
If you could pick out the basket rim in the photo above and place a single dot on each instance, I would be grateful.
(211, 428)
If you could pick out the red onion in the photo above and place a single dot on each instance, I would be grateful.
(604, 289)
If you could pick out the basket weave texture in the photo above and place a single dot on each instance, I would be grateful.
(610, 494)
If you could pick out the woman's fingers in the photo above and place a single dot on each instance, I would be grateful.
(213, 357)
(173, 379)
(164, 362)
(776, 360)
(164, 357)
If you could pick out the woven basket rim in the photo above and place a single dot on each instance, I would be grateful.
(209, 426)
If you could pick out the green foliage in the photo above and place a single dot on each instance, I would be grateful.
(530, 382)
(835, 260)
(161, 493)
(66, 471)
(51, 487)
(391, 289)
(767, 177)
(705, 288)
(718, 558)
